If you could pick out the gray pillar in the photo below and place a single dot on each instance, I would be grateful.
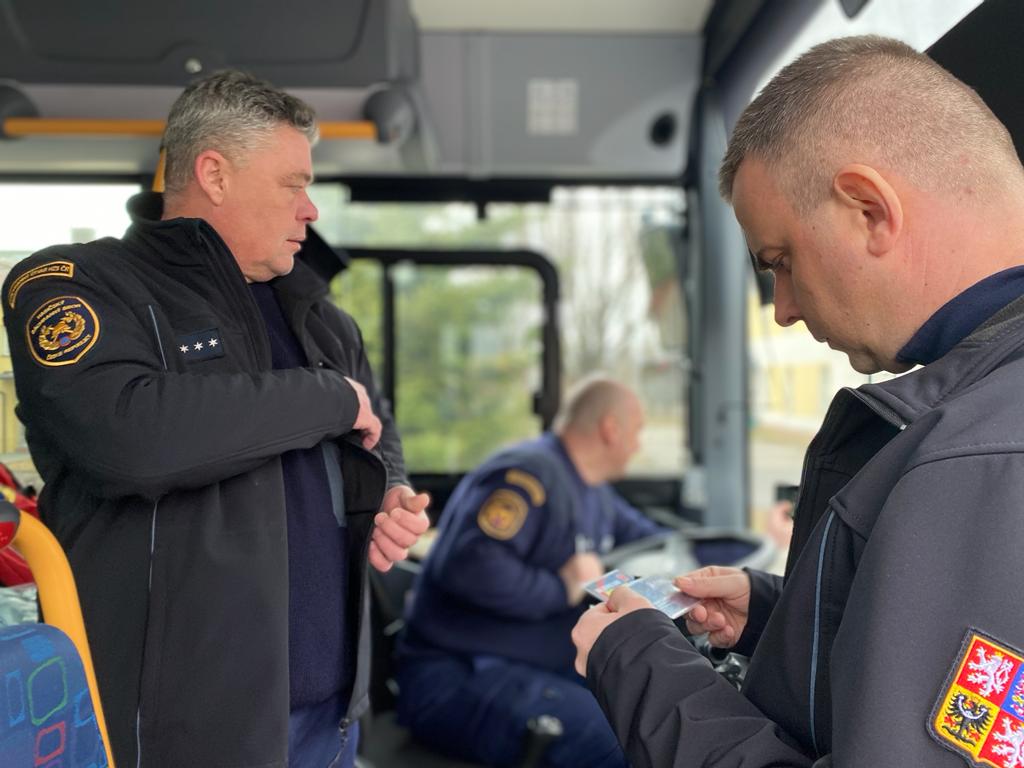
(722, 361)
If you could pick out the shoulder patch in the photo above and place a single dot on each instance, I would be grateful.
(980, 713)
(502, 515)
(528, 483)
(50, 269)
(62, 330)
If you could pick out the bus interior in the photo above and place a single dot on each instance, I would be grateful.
(511, 196)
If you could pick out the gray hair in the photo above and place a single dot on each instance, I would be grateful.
(589, 401)
(877, 101)
(229, 111)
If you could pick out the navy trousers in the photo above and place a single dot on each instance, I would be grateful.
(478, 710)
(316, 741)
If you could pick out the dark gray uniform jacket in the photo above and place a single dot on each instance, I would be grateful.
(163, 480)
(909, 534)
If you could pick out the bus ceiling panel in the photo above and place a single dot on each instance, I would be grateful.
(635, 16)
(301, 43)
(531, 104)
(984, 50)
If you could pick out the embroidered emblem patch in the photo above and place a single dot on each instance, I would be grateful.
(528, 483)
(62, 330)
(980, 714)
(201, 345)
(502, 515)
(50, 269)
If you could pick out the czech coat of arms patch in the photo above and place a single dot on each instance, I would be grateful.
(980, 714)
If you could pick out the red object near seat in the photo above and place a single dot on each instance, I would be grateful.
(13, 568)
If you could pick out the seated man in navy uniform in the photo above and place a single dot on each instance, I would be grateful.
(487, 646)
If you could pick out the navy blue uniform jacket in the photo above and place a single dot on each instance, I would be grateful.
(490, 586)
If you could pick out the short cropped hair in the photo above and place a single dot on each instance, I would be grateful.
(877, 101)
(589, 401)
(231, 112)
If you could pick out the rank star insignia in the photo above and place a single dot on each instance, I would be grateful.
(980, 714)
(202, 345)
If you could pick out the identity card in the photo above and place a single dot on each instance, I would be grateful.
(658, 589)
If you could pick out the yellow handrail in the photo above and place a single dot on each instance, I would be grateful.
(58, 597)
(356, 129)
(54, 126)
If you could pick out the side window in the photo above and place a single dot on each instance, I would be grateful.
(37, 216)
(622, 311)
(466, 357)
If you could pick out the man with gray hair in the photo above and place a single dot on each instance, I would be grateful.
(888, 202)
(487, 643)
(218, 464)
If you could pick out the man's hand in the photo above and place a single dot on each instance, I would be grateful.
(366, 420)
(724, 606)
(622, 600)
(577, 571)
(401, 521)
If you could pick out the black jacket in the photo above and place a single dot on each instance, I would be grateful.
(163, 480)
(908, 541)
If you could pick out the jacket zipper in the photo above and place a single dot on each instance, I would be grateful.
(242, 297)
(152, 549)
(880, 408)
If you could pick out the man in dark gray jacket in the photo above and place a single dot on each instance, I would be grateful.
(888, 202)
(218, 464)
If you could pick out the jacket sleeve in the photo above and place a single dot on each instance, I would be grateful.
(390, 445)
(118, 415)
(630, 523)
(668, 706)
(765, 589)
(494, 574)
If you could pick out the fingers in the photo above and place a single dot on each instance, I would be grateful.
(720, 632)
(414, 522)
(624, 600)
(388, 547)
(394, 529)
(583, 567)
(586, 632)
(699, 622)
(416, 502)
(714, 581)
(377, 559)
(724, 638)
(366, 420)
(371, 432)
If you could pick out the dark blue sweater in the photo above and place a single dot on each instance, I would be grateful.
(318, 644)
(961, 315)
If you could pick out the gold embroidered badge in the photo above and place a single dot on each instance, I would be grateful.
(980, 714)
(528, 483)
(62, 330)
(502, 515)
(50, 269)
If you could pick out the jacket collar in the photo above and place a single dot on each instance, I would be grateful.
(910, 396)
(183, 242)
(187, 242)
